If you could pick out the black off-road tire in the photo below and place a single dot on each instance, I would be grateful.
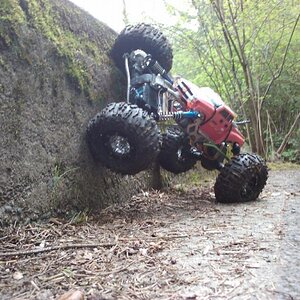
(144, 37)
(242, 179)
(174, 155)
(124, 138)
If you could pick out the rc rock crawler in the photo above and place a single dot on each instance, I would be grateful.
(125, 136)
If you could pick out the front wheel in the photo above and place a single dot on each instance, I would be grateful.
(145, 37)
(242, 179)
(124, 138)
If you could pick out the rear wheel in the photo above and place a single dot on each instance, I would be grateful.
(144, 37)
(174, 155)
(123, 138)
(242, 179)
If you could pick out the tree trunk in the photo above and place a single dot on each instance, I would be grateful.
(287, 136)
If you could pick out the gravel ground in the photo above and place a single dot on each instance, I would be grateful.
(176, 244)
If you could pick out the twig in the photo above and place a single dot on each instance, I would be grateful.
(276, 76)
(117, 270)
(281, 293)
(53, 248)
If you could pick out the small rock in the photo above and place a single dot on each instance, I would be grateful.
(131, 251)
(143, 251)
(275, 194)
(8, 208)
(72, 295)
(45, 295)
(18, 275)
(173, 261)
(190, 296)
(42, 245)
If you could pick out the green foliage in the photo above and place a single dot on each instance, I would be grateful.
(291, 155)
(59, 172)
(292, 151)
(279, 166)
(248, 51)
(80, 217)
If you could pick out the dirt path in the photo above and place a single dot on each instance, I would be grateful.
(173, 245)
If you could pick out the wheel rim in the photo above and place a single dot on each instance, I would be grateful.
(119, 145)
(180, 154)
(249, 188)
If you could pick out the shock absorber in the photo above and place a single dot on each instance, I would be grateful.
(180, 115)
(126, 56)
(156, 68)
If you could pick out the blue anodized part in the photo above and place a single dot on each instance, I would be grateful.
(190, 114)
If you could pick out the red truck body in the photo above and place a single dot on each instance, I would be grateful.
(217, 119)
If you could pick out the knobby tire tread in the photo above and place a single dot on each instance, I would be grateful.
(237, 173)
(131, 122)
(144, 37)
(173, 139)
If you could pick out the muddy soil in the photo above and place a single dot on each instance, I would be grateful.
(176, 244)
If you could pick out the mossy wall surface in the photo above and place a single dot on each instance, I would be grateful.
(55, 75)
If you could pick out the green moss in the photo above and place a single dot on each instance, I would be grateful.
(279, 166)
(11, 17)
(2, 64)
(69, 46)
(76, 49)
(11, 12)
